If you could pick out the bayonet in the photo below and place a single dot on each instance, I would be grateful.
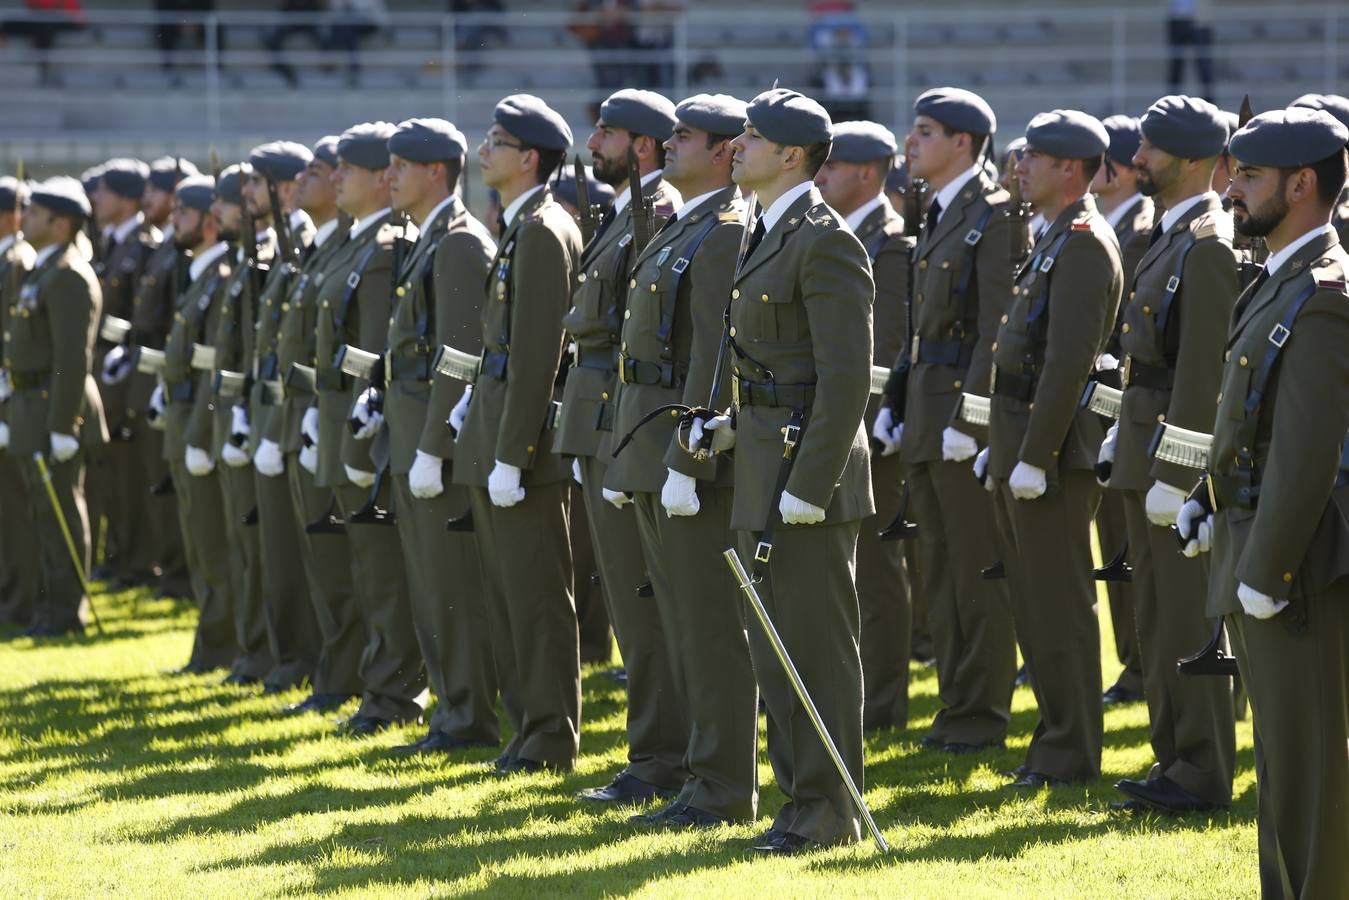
(588, 223)
(281, 222)
(640, 204)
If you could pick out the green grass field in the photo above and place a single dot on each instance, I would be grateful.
(119, 780)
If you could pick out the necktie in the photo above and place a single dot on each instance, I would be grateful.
(1157, 232)
(755, 238)
(933, 214)
(501, 224)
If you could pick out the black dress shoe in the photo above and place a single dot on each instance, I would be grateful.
(238, 679)
(957, 748)
(319, 703)
(189, 669)
(1037, 780)
(1129, 806)
(932, 743)
(363, 726)
(1116, 694)
(625, 788)
(439, 742)
(1020, 771)
(692, 817)
(1163, 795)
(784, 843)
(521, 765)
(1022, 676)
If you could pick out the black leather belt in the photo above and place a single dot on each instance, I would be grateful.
(954, 352)
(639, 371)
(1014, 385)
(327, 378)
(181, 391)
(1233, 491)
(770, 393)
(268, 368)
(1137, 374)
(494, 363)
(29, 381)
(404, 368)
(596, 358)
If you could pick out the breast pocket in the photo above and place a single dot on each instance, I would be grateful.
(777, 314)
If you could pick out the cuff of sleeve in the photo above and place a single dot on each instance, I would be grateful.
(1273, 580)
(681, 462)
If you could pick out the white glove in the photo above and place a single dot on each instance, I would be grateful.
(1196, 526)
(309, 459)
(268, 460)
(359, 477)
(887, 431)
(795, 511)
(239, 426)
(1107, 362)
(368, 419)
(309, 425)
(424, 478)
(981, 470)
(4, 435)
(1258, 605)
(1027, 481)
(157, 407)
(6, 388)
(503, 484)
(679, 494)
(64, 446)
(723, 437)
(460, 411)
(576, 469)
(1163, 503)
(234, 457)
(116, 366)
(1105, 457)
(617, 498)
(198, 461)
(957, 446)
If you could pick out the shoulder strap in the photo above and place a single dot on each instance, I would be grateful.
(1044, 263)
(1173, 286)
(667, 307)
(353, 282)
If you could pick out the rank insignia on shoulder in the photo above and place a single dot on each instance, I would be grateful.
(1080, 226)
(665, 210)
(1331, 284)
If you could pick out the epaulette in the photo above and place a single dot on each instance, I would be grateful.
(1080, 225)
(1329, 275)
(1212, 224)
(821, 215)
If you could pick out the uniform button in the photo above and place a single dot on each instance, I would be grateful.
(994, 348)
(764, 298)
(324, 304)
(922, 264)
(1220, 396)
(1053, 453)
(632, 283)
(595, 274)
(1016, 291)
(529, 449)
(1243, 361)
(1287, 577)
(1133, 294)
(1161, 417)
(1147, 310)
(919, 298)
(627, 314)
(946, 265)
(735, 294)
(1004, 320)
(581, 278)
(959, 384)
(604, 395)
(400, 292)
(1227, 357)
(624, 347)
(285, 307)
(1124, 329)
(653, 287)
(732, 331)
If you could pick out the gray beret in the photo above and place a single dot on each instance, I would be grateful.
(786, 117)
(1289, 138)
(366, 145)
(1014, 149)
(428, 141)
(1233, 122)
(325, 149)
(862, 142)
(898, 179)
(197, 191)
(640, 112)
(718, 114)
(89, 178)
(1187, 127)
(229, 188)
(533, 122)
(1124, 138)
(1067, 134)
(279, 160)
(62, 195)
(564, 188)
(166, 171)
(957, 108)
(1334, 104)
(13, 194)
(125, 177)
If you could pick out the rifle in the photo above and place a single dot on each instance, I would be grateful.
(643, 215)
(1018, 210)
(588, 223)
(13, 290)
(284, 239)
(1253, 250)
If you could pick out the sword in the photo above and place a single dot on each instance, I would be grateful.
(456, 363)
(974, 409)
(75, 560)
(1180, 446)
(879, 376)
(1102, 399)
(148, 360)
(799, 688)
(587, 211)
(203, 357)
(114, 330)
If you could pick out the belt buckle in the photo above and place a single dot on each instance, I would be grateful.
(623, 362)
(735, 390)
(791, 435)
(1212, 498)
(993, 380)
(1127, 370)
(763, 551)
(914, 346)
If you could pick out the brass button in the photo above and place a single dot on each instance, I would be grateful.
(994, 348)
(764, 298)
(632, 283)
(285, 307)
(922, 264)
(627, 314)
(1133, 294)
(1016, 291)
(1161, 417)
(1220, 396)
(653, 287)
(529, 449)
(735, 294)
(946, 264)
(581, 278)
(1124, 329)
(919, 298)
(324, 304)
(1147, 309)
(1227, 357)
(402, 291)
(1243, 361)
(732, 331)
(624, 347)
(959, 384)
(595, 274)
(604, 395)
(1053, 453)
(1004, 320)
(1287, 577)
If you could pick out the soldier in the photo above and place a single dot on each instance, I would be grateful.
(1338, 107)
(117, 487)
(20, 575)
(962, 272)
(354, 302)
(208, 428)
(1182, 291)
(800, 322)
(517, 485)
(632, 124)
(1042, 448)
(438, 301)
(55, 409)
(1129, 212)
(852, 182)
(287, 613)
(284, 447)
(671, 333)
(1277, 482)
(197, 230)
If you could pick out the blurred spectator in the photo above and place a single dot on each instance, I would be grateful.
(275, 38)
(1186, 26)
(842, 78)
(171, 30)
(353, 20)
(605, 26)
(53, 17)
(472, 33)
(654, 36)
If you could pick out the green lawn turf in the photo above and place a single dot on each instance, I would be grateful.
(119, 780)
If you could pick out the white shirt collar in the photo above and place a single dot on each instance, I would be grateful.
(779, 207)
(325, 231)
(1037, 225)
(299, 219)
(362, 224)
(436, 211)
(120, 232)
(1116, 215)
(45, 254)
(1172, 215)
(263, 238)
(208, 256)
(1278, 259)
(690, 205)
(514, 209)
(621, 201)
(5, 243)
(947, 195)
(855, 218)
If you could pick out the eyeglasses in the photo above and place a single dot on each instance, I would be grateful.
(492, 143)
